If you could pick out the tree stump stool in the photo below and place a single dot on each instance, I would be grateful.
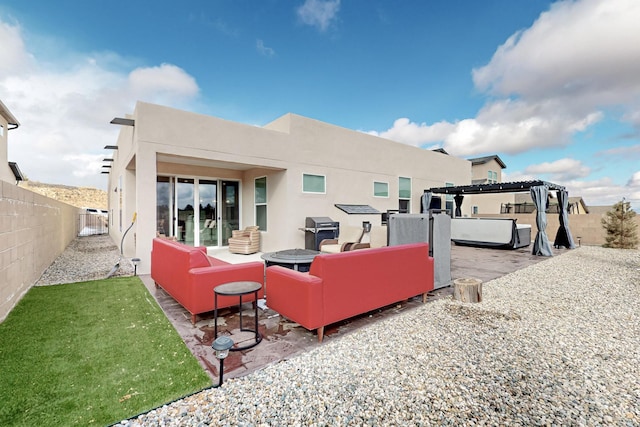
(467, 290)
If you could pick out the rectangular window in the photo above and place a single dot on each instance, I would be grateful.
(314, 183)
(474, 210)
(492, 177)
(404, 195)
(260, 199)
(449, 197)
(380, 189)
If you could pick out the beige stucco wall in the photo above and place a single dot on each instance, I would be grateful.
(480, 170)
(167, 141)
(34, 230)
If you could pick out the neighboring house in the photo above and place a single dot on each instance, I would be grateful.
(486, 170)
(198, 178)
(9, 171)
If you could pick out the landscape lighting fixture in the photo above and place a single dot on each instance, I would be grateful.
(135, 262)
(222, 345)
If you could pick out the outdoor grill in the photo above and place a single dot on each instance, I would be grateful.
(318, 228)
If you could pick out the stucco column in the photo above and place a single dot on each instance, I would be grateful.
(145, 190)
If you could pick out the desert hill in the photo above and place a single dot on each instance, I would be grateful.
(75, 196)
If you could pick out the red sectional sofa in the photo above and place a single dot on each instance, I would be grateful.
(346, 284)
(189, 275)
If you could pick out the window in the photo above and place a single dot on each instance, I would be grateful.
(448, 204)
(313, 183)
(380, 189)
(492, 177)
(260, 199)
(404, 195)
(474, 210)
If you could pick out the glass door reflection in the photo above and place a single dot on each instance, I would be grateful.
(208, 194)
(185, 211)
(229, 209)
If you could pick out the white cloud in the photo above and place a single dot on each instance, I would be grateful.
(318, 13)
(64, 110)
(629, 151)
(549, 82)
(166, 82)
(504, 126)
(634, 181)
(264, 50)
(14, 56)
(570, 50)
(560, 170)
(408, 132)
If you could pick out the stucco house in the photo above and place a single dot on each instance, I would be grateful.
(9, 171)
(487, 170)
(198, 177)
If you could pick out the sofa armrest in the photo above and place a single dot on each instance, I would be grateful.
(295, 295)
(359, 246)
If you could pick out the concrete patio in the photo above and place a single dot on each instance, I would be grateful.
(283, 339)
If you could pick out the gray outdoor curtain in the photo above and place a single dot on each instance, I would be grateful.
(458, 199)
(563, 236)
(425, 202)
(541, 245)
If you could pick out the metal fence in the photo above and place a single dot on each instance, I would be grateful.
(91, 224)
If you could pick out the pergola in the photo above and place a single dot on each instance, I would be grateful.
(539, 192)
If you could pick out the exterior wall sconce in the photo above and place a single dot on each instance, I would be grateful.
(222, 345)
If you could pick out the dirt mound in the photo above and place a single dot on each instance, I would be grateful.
(75, 196)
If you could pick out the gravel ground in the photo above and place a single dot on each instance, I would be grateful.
(72, 266)
(556, 343)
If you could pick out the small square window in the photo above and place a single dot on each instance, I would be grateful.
(314, 184)
(380, 189)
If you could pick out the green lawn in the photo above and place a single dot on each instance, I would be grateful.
(91, 353)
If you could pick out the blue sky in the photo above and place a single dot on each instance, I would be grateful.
(553, 88)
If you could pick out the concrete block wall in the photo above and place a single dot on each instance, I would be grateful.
(34, 230)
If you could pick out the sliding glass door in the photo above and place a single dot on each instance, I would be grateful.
(230, 209)
(198, 212)
(208, 196)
